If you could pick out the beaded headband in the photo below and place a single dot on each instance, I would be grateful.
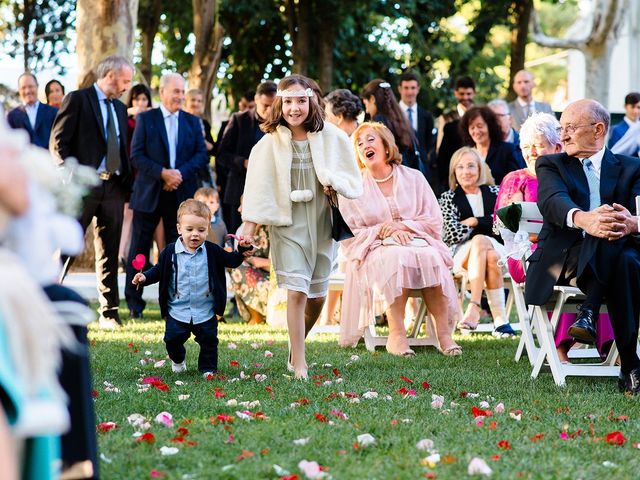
(295, 93)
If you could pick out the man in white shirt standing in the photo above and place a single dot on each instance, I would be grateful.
(524, 105)
(589, 238)
(420, 120)
(34, 117)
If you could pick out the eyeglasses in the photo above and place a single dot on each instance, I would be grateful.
(502, 114)
(571, 129)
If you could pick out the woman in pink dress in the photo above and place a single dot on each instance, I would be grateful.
(397, 247)
(539, 136)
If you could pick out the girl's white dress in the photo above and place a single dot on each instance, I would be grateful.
(303, 253)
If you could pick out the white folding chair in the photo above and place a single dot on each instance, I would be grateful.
(373, 340)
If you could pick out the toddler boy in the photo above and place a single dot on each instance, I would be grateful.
(193, 290)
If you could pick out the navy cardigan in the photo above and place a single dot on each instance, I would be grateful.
(166, 270)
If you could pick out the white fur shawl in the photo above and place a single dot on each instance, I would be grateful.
(266, 192)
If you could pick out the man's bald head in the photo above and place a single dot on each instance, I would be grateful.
(584, 125)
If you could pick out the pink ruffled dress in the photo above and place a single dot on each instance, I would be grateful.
(525, 183)
(376, 274)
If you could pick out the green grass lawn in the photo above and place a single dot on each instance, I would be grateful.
(560, 434)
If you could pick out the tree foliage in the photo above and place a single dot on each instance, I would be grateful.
(37, 31)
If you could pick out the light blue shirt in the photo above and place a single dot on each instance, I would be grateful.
(103, 109)
(596, 166)
(193, 302)
(32, 112)
(171, 125)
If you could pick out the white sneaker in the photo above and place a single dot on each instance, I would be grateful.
(205, 375)
(179, 367)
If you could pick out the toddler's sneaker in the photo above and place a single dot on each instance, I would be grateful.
(179, 367)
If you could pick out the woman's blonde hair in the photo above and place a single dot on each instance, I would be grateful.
(484, 176)
(390, 147)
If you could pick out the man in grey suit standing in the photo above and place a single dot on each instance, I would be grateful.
(524, 105)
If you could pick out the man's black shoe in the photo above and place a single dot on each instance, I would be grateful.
(633, 382)
(135, 316)
(584, 329)
(623, 380)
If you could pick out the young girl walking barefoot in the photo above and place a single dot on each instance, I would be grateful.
(291, 170)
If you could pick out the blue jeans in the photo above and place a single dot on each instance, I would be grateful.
(206, 335)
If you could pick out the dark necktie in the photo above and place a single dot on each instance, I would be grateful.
(410, 113)
(113, 148)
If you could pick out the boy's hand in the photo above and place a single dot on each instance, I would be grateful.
(139, 279)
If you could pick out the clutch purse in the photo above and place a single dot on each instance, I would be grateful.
(339, 228)
(415, 242)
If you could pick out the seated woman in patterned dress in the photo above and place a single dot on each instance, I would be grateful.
(467, 209)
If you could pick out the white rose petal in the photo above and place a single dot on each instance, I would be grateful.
(484, 404)
(370, 394)
(366, 439)
(268, 354)
(354, 358)
(255, 345)
(183, 397)
(425, 444)
(478, 466)
(179, 383)
(231, 346)
(281, 472)
(232, 402)
(301, 441)
(164, 450)
(159, 364)
(499, 408)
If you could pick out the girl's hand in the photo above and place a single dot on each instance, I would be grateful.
(329, 191)
(402, 237)
(139, 279)
(470, 222)
(243, 240)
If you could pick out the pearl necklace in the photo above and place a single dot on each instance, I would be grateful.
(382, 180)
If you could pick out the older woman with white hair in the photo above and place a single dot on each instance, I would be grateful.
(538, 136)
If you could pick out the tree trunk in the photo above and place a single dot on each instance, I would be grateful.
(27, 16)
(594, 34)
(299, 30)
(208, 48)
(103, 27)
(519, 33)
(327, 13)
(149, 23)
(597, 68)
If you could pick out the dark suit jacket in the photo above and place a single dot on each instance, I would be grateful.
(78, 131)
(241, 134)
(451, 141)
(562, 185)
(38, 135)
(426, 144)
(150, 154)
(485, 223)
(166, 271)
(502, 159)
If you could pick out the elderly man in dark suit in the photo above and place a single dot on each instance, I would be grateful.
(589, 238)
(168, 150)
(34, 117)
(421, 121)
(91, 126)
(241, 134)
